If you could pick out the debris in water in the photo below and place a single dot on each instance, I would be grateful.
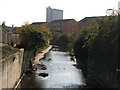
(43, 74)
(49, 59)
(74, 64)
(44, 68)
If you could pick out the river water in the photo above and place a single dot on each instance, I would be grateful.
(61, 73)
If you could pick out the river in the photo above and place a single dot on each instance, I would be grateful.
(61, 73)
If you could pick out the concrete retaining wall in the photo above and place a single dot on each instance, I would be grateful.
(9, 38)
(28, 57)
(14, 66)
(11, 69)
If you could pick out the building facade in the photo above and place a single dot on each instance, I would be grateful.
(64, 26)
(53, 14)
(88, 20)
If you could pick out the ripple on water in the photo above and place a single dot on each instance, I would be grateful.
(61, 72)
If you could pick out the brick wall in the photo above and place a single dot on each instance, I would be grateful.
(69, 26)
(72, 27)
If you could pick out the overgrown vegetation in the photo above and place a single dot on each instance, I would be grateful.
(96, 50)
(34, 38)
(65, 41)
(8, 50)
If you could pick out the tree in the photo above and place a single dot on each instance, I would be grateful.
(96, 50)
(33, 37)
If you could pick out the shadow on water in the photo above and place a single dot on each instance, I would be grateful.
(61, 73)
(30, 81)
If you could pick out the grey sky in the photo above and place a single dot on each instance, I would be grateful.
(19, 11)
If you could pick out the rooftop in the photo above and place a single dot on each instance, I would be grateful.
(55, 9)
(63, 20)
(90, 18)
(38, 23)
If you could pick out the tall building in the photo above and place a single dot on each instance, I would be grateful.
(119, 7)
(53, 14)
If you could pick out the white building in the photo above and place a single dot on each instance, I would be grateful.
(119, 7)
(53, 14)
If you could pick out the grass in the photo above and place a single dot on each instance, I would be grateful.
(7, 51)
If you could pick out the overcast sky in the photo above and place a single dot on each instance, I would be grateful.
(19, 11)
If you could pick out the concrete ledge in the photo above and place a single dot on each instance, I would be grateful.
(41, 55)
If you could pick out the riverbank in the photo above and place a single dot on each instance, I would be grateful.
(35, 61)
(41, 55)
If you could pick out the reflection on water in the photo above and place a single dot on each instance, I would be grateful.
(61, 72)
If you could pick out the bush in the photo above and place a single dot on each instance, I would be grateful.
(97, 49)
(33, 37)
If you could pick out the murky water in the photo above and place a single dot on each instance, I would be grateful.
(61, 73)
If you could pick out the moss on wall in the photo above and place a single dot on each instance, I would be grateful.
(7, 51)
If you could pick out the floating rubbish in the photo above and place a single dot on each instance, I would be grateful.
(73, 59)
(34, 69)
(43, 74)
(41, 65)
(49, 59)
(74, 64)
(44, 68)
